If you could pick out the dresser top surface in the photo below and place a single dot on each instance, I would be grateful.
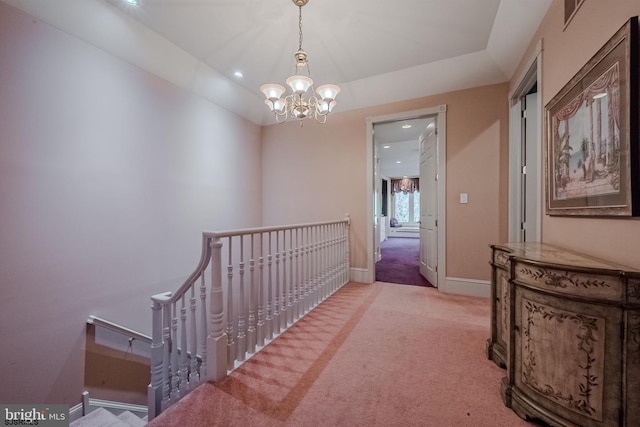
(545, 253)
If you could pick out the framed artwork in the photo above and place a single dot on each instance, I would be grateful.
(570, 9)
(592, 148)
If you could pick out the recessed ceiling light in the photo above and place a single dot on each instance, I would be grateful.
(238, 74)
(386, 146)
(398, 162)
(131, 1)
(406, 126)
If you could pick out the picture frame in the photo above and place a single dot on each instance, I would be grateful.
(570, 9)
(591, 126)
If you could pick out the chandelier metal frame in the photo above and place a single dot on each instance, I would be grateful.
(298, 105)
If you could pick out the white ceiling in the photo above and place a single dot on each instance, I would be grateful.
(377, 51)
(398, 147)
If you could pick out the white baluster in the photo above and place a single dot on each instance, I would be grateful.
(303, 277)
(316, 266)
(319, 256)
(323, 262)
(269, 324)
(193, 342)
(231, 356)
(202, 374)
(329, 288)
(334, 258)
(217, 339)
(276, 305)
(184, 360)
(175, 370)
(283, 295)
(331, 260)
(261, 295)
(166, 357)
(242, 310)
(310, 268)
(291, 293)
(296, 288)
(251, 330)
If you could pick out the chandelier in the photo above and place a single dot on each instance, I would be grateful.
(299, 104)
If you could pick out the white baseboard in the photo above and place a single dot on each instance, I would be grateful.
(76, 412)
(360, 275)
(453, 285)
(470, 287)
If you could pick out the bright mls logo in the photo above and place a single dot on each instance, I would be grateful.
(35, 415)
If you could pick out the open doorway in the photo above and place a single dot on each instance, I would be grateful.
(525, 158)
(398, 147)
(396, 156)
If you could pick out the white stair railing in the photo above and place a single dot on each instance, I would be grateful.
(259, 281)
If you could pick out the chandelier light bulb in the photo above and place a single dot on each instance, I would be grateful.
(328, 92)
(272, 91)
(299, 84)
(279, 106)
(325, 107)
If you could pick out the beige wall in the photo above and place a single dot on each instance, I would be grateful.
(565, 52)
(108, 176)
(320, 171)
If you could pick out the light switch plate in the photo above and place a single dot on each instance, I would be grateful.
(464, 198)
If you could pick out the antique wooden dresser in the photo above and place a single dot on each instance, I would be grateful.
(567, 328)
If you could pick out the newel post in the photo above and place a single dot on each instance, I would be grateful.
(154, 390)
(347, 254)
(217, 339)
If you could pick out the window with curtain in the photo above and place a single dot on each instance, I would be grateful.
(406, 200)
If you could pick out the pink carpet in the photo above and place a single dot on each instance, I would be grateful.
(371, 355)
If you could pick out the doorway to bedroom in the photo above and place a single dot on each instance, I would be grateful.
(429, 153)
(399, 203)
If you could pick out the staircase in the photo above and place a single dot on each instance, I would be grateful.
(249, 286)
(101, 417)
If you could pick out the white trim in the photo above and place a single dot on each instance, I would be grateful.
(515, 154)
(531, 74)
(522, 79)
(76, 412)
(359, 275)
(469, 287)
(541, 139)
(440, 112)
(89, 404)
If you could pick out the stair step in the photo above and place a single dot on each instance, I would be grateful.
(102, 418)
(132, 419)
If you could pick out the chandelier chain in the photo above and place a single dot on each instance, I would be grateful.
(300, 27)
(303, 102)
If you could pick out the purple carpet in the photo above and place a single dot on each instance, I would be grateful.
(400, 262)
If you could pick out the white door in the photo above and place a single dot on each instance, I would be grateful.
(429, 206)
(377, 202)
(524, 167)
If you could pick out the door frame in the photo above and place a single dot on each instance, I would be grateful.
(532, 75)
(440, 113)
